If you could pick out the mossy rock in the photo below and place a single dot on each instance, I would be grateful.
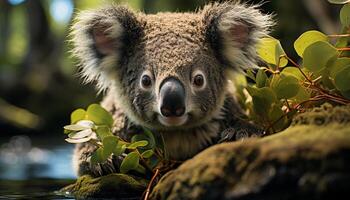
(112, 186)
(309, 160)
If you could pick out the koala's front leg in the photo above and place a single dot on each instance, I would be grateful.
(83, 166)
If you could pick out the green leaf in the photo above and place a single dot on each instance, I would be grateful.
(103, 131)
(346, 94)
(119, 149)
(276, 114)
(109, 144)
(99, 115)
(134, 145)
(152, 140)
(270, 50)
(287, 87)
(317, 55)
(250, 74)
(262, 99)
(77, 115)
(338, 65)
(339, 1)
(98, 156)
(345, 15)
(342, 42)
(130, 162)
(293, 71)
(261, 78)
(303, 95)
(342, 79)
(147, 154)
(306, 39)
(140, 137)
(140, 169)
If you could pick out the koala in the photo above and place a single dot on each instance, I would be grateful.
(168, 72)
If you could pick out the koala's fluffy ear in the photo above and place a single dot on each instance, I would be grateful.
(233, 30)
(99, 38)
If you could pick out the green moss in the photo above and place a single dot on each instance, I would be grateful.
(281, 165)
(109, 186)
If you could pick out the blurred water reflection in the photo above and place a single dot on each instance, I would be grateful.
(20, 160)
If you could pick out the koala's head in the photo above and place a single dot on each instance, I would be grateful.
(168, 70)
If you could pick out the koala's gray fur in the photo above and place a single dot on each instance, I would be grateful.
(116, 46)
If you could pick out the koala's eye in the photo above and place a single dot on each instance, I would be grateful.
(198, 80)
(146, 81)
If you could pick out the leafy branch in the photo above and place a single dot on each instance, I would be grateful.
(283, 87)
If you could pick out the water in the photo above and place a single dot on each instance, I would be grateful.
(33, 168)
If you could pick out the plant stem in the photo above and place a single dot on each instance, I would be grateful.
(339, 35)
(148, 190)
(332, 97)
(344, 49)
(143, 162)
(299, 68)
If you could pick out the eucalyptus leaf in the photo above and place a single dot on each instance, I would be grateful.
(262, 99)
(293, 71)
(338, 65)
(342, 79)
(77, 115)
(287, 87)
(98, 156)
(346, 94)
(345, 15)
(109, 144)
(130, 162)
(134, 145)
(317, 55)
(147, 154)
(250, 74)
(302, 95)
(140, 169)
(99, 115)
(261, 78)
(119, 149)
(276, 116)
(103, 131)
(271, 51)
(306, 39)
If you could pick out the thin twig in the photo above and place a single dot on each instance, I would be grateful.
(335, 97)
(148, 190)
(339, 35)
(344, 49)
(299, 68)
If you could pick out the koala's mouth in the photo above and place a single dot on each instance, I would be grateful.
(173, 121)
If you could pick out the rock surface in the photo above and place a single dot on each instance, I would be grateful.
(309, 160)
(116, 186)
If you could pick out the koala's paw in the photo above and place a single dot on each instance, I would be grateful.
(240, 131)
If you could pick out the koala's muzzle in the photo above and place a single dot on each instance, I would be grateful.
(172, 98)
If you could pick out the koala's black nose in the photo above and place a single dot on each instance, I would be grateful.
(172, 98)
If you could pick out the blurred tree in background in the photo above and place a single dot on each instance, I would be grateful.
(38, 82)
